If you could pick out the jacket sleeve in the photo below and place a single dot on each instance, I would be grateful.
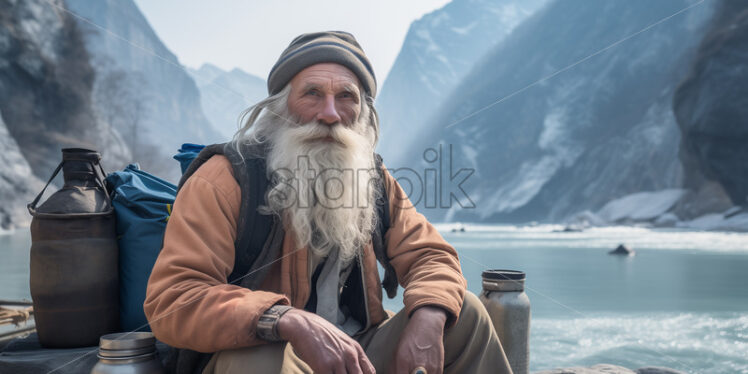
(188, 301)
(426, 265)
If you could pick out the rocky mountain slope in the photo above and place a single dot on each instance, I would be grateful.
(711, 106)
(46, 82)
(18, 184)
(141, 86)
(570, 111)
(225, 94)
(439, 49)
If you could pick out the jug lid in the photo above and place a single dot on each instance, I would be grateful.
(80, 154)
(127, 340)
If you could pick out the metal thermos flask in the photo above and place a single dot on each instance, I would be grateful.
(128, 353)
(509, 307)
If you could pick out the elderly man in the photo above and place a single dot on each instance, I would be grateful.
(318, 305)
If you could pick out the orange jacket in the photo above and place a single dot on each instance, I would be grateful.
(189, 303)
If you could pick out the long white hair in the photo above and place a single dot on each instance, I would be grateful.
(323, 191)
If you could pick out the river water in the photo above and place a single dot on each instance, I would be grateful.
(681, 302)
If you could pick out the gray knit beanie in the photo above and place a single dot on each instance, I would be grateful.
(313, 48)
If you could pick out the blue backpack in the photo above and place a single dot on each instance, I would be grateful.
(142, 206)
(187, 154)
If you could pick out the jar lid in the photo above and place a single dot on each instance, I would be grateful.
(502, 274)
(127, 340)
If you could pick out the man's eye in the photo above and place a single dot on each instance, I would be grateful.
(346, 95)
(313, 92)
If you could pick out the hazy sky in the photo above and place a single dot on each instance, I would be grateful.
(252, 34)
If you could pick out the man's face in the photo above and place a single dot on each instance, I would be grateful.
(327, 93)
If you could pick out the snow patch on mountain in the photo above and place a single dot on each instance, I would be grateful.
(522, 187)
(641, 206)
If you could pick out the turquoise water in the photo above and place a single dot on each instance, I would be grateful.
(681, 302)
(14, 265)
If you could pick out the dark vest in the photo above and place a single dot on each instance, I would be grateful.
(259, 237)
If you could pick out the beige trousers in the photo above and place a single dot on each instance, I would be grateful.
(470, 346)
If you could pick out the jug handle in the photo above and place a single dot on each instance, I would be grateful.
(32, 205)
(102, 180)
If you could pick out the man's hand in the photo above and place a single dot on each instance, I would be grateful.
(321, 345)
(422, 342)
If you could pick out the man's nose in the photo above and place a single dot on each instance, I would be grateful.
(328, 115)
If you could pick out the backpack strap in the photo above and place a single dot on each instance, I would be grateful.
(185, 361)
(252, 227)
(383, 224)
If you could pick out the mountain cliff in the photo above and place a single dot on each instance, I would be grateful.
(570, 111)
(712, 107)
(225, 94)
(46, 82)
(141, 86)
(18, 184)
(439, 49)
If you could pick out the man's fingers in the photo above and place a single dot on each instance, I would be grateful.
(343, 367)
(364, 362)
(353, 368)
(351, 359)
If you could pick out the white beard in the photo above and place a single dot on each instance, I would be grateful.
(323, 189)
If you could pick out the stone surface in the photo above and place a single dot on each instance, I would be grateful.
(597, 369)
(657, 370)
(622, 250)
(610, 369)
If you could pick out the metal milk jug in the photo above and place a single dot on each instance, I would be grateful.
(128, 353)
(73, 259)
(509, 307)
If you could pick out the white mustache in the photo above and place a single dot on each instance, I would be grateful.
(314, 130)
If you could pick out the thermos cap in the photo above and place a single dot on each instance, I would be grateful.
(128, 352)
(127, 341)
(502, 274)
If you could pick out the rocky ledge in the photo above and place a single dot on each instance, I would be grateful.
(610, 369)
